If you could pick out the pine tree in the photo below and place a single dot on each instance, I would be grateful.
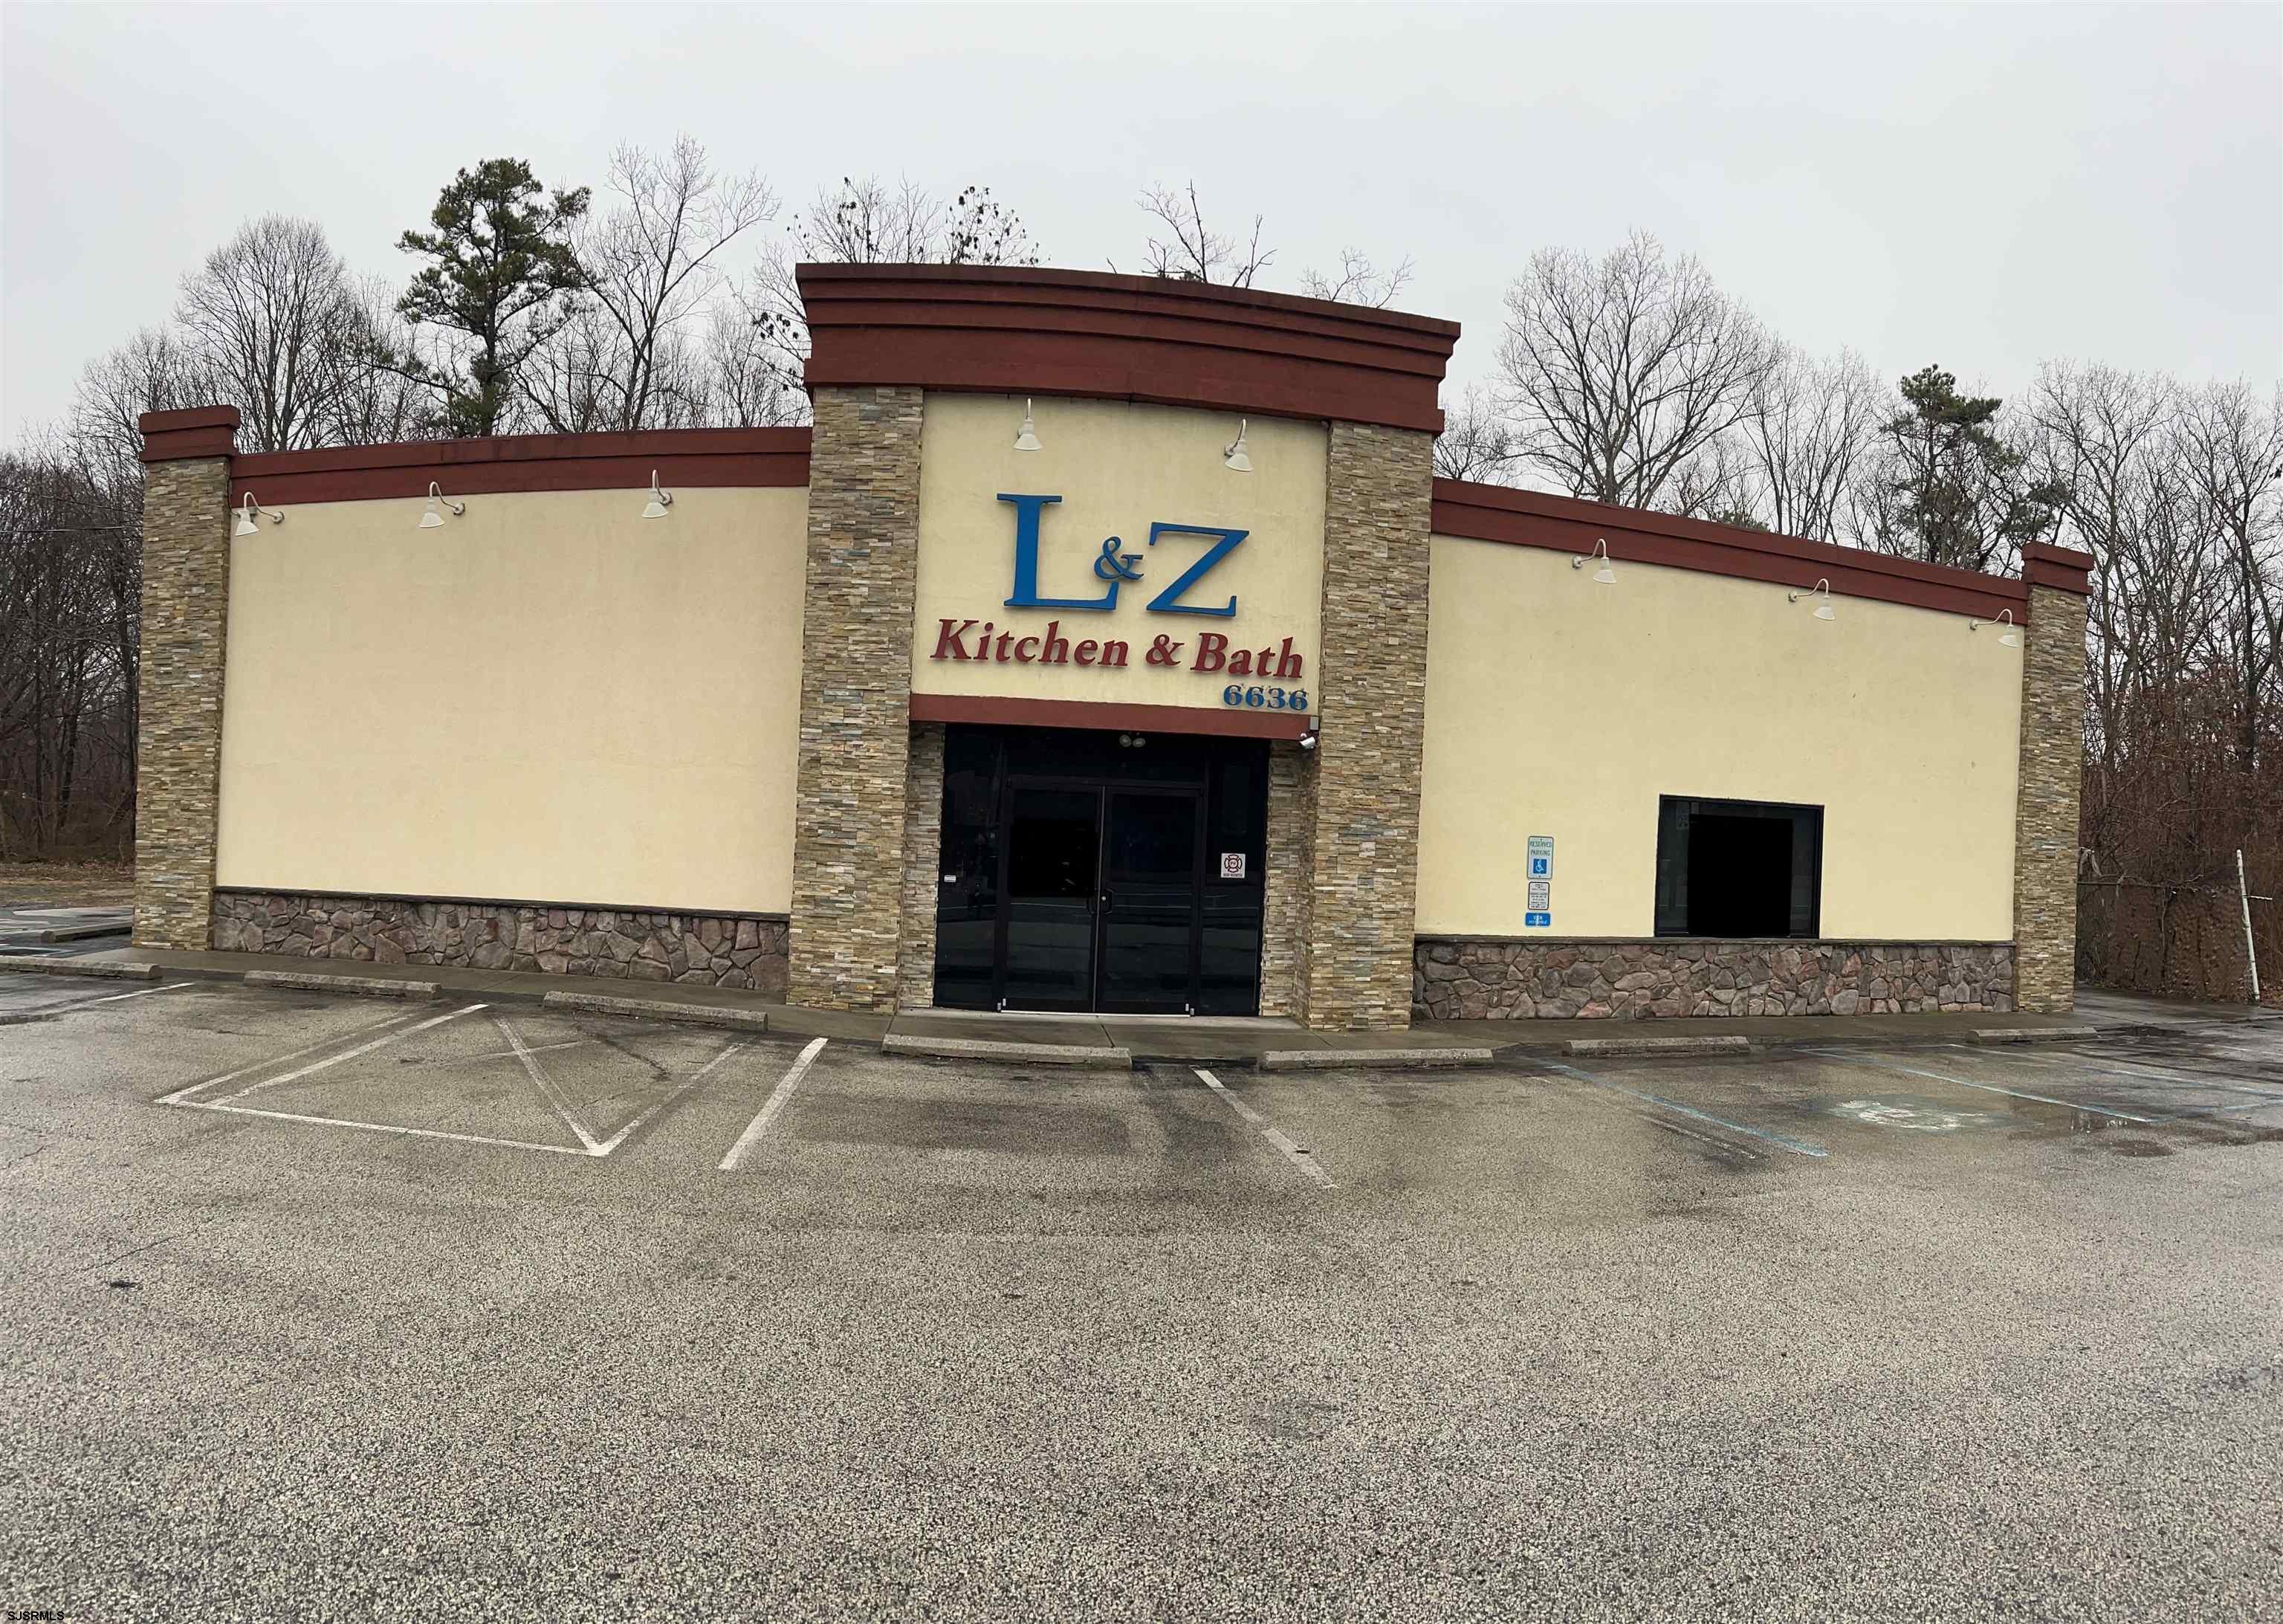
(501, 277)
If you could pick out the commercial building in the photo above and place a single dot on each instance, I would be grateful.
(1107, 643)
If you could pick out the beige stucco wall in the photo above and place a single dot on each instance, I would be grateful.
(1559, 707)
(549, 700)
(1117, 467)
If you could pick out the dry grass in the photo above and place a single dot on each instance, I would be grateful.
(65, 885)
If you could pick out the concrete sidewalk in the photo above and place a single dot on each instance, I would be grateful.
(1218, 1040)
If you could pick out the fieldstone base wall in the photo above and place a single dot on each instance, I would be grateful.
(1485, 979)
(701, 949)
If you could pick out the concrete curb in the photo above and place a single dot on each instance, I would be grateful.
(110, 970)
(646, 1008)
(1378, 1059)
(2043, 1035)
(1659, 1046)
(1015, 1054)
(364, 986)
(85, 932)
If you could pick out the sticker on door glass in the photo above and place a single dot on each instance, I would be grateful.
(1232, 865)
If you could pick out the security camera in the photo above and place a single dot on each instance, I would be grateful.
(1308, 740)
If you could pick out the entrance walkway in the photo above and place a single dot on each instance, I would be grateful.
(1217, 1039)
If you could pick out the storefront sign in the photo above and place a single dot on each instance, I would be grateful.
(1210, 653)
(1121, 564)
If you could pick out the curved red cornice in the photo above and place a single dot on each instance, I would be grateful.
(1022, 330)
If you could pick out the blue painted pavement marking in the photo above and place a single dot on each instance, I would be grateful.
(1797, 1147)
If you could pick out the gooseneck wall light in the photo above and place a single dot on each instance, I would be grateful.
(1233, 454)
(434, 518)
(1607, 576)
(2010, 637)
(1822, 595)
(246, 517)
(659, 500)
(1026, 438)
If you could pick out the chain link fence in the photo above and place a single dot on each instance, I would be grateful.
(2178, 941)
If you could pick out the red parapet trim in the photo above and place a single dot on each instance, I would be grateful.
(1018, 329)
(1231, 723)
(693, 458)
(2063, 569)
(195, 431)
(1565, 524)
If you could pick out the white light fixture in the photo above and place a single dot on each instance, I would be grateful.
(1026, 438)
(1822, 595)
(2010, 637)
(659, 500)
(245, 515)
(1308, 740)
(1607, 576)
(1233, 454)
(434, 518)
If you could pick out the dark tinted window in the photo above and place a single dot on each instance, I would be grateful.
(1738, 868)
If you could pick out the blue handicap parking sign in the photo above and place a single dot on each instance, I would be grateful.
(1539, 867)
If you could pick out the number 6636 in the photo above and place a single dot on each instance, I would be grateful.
(1264, 699)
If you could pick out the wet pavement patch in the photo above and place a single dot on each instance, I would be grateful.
(1915, 1115)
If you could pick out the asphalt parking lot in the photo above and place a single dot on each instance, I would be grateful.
(319, 1307)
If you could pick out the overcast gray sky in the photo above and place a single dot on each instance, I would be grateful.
(1986, 187)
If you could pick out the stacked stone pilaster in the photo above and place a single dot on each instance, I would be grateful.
(179, 698)
(2052, 776)
(855, 687)
(923, 856)
(1291, 865)
(1362, 787)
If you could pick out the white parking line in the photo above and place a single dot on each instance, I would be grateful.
(1783, 1142)
(561, 1107)
(1846, 1058)
(182, 1095)
(332, 1060)
(1291, 1152)
(778, 1096)
(2144, 1071)
(82, 1003)
(690, 1082)
(378, 1127)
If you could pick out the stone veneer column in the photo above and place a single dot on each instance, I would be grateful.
(855, 687)
(2045, 822)
(185, 617)
(1288, 863)
(922, 857)
(1372, 698)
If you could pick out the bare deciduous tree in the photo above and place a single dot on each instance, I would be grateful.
(869, 222)
(1359, 282)
(1191, 251)
(274, 315)
(1803, 439)
(1619, 372)
(1476, 442)
(652, 264)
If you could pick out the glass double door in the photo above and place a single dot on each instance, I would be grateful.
(1100, 896)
